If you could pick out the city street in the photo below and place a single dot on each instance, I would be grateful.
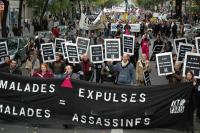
(42, 41)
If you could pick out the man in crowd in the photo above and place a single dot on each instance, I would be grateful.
(13, 69)
(58, 67)
(176, 77)
(69, 73)
(125, 71)
(142, 66)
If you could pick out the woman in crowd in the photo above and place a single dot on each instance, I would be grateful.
(145, 43)
(127, 29)
(190, 78)
(86, 68)
(43, 72)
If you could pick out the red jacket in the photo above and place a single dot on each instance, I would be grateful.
(55, 32)
(39, 74)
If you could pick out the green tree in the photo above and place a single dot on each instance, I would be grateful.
(39, 6)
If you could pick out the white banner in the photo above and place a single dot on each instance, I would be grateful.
(86, 24)
(134, 27)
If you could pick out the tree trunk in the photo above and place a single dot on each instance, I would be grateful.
(20, 17)
(79, 6)
(3, 22)
(178, 9)
(43, 10)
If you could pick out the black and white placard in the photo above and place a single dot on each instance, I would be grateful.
(183, 48)
(64, 49)
(192, 62)
(197, 41)
(177, 43)
(72, 52)
(128, 44)
(83, 45)
(165, 64)
(112, 50)
(48, 52)
(147, 78)
(157, 49)
(96, 53)
(3, 51)
(63, 44)
(58, 45)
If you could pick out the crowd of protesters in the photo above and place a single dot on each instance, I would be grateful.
(129, 71)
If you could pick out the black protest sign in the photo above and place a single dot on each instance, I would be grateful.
(82, 44)
(58, 45)
(112, 49)
(165, 64)
(96, 53)
(177, 43)
(65, 49)
(183, 48)
(48, 52)
(147, 78)
(157, 49)
(128, 44)
(197, 40)
(192, 62)
(3, 51)
(72, 53)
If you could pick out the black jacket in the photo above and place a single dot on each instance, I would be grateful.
(15, 71)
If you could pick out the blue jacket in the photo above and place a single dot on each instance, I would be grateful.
(125, 74)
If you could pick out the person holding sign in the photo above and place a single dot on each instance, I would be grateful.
(142, 66)
(125, 71)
